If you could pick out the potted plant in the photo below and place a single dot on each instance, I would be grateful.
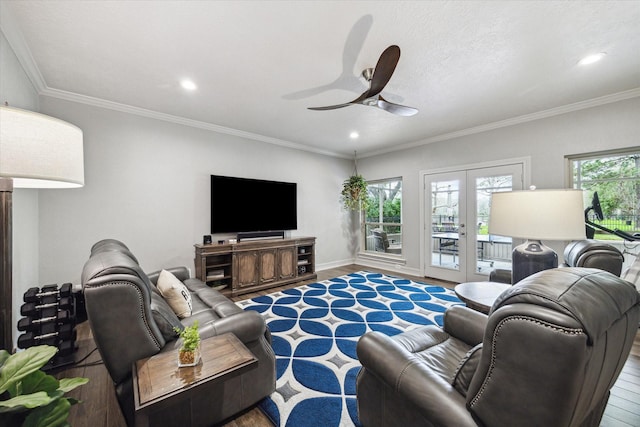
(189, 353)
(28, 396)
(354, 193)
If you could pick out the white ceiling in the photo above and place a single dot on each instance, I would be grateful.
(258, 65)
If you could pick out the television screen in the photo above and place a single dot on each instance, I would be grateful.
(243, 204)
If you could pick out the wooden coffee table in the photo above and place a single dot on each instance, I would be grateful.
(164, 392)
(480, 296)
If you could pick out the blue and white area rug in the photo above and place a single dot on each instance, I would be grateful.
(315, 329)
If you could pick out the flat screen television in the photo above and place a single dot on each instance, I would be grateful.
(247, 205)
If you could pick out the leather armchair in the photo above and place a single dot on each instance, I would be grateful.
(591, 253)
(546, 355)
(586, 253)
(130, 321)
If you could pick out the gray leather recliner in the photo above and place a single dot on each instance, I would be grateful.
(130, 321)
(547, 354)
(586, 253)
(591, 253)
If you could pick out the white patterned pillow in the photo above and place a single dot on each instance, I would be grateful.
(175, 293)
(633, 273)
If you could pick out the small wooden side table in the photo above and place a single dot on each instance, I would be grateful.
(165, 394)
(480, 296)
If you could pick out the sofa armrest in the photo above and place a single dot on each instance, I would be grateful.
(407, 375)
(247, 326)
(182, 273)
(465, 324)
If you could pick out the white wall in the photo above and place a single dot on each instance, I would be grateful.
(17, 90)
(546, 142)
(147, 183)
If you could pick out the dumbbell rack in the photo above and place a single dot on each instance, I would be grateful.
(49, 320)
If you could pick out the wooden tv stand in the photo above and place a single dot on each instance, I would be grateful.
(250, 266)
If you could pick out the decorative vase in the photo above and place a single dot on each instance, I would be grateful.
(189, 358)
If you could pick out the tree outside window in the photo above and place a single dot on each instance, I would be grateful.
(616, 179)
(383, 217)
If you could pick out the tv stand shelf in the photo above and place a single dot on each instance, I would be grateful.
(250, 266)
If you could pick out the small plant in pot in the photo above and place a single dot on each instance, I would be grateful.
(189, 353)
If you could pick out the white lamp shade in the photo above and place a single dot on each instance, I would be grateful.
(538, 214)
(39, 151)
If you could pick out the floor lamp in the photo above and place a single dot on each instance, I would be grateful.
(536, 215)
(36, 151)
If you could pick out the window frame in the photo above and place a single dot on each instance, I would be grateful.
(578, 184)
(364, 223)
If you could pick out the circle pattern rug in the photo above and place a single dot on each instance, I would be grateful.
(315, 329)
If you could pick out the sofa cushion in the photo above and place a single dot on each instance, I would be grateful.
(165, 318)
(175, 293)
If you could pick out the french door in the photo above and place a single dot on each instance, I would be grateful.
(457, 245)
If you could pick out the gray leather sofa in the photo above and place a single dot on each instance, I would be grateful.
(130, 321)
(547, 355)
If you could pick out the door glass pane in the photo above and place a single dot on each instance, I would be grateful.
(493, 251)
(445, 200)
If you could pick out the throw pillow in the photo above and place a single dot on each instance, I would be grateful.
(175, 293)
(633, 273)
(165, 318)
(466, 369)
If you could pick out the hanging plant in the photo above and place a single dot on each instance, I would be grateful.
(354, 191)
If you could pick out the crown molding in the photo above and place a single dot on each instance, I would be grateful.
(102, 103)
(576, 106)
(129, 109)
(17, 42)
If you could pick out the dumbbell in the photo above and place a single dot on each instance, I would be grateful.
(46, 336)
(34, 294)
(30, 324)
(32, 309)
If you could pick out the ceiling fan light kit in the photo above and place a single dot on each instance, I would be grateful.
(378, 78)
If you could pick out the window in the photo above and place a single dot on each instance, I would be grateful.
(383, 217)
(616, 179)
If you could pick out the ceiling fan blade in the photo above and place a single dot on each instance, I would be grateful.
(397, 109)
(384, 69)
(358, 100)
(330, 107)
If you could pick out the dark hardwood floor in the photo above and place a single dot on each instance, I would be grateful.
(99, 407)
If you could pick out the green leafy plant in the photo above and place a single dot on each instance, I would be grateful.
(28, 396)
(189, 353)
(190, 337)
(354, 193)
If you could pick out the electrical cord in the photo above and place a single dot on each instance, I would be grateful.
(87, 356)
(79, 365)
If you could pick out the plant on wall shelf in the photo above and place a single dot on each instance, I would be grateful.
(28, 396)
(354, 190)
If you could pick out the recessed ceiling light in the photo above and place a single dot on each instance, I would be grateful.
(590, 59)
(354, 135)
(188, 85)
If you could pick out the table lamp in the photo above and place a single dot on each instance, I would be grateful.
(36, 151)
(536, 215)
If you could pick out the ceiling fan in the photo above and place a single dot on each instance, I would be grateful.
(378, 78)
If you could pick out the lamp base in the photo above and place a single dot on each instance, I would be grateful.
(530, 257)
